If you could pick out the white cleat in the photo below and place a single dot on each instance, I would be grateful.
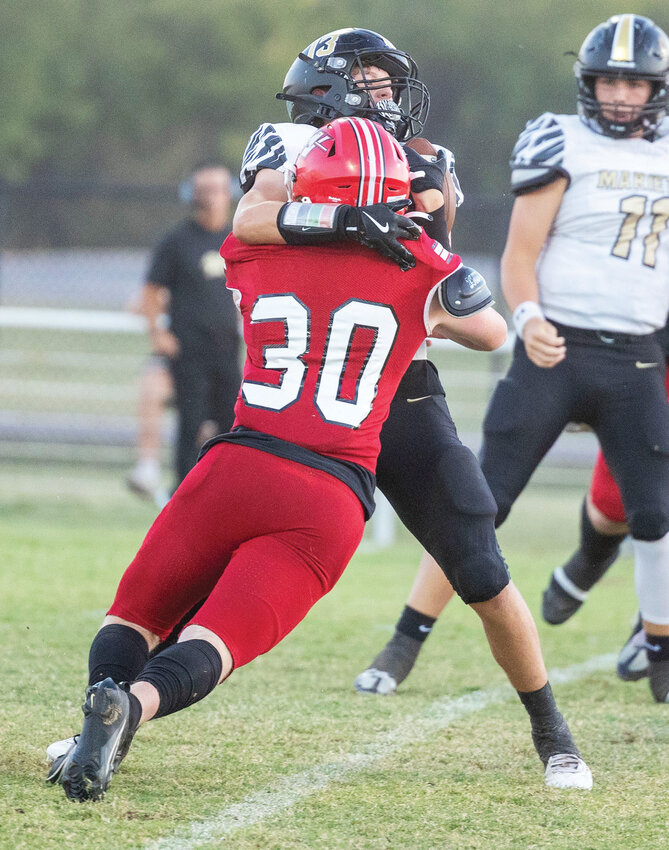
(566, 770)
(59, 748)
(373, 681)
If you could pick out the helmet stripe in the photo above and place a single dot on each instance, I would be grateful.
(380, 160)
(362, 160)
(372, 140)
(370, 145)
(622, 49)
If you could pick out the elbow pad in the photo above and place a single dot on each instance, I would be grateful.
(464, 293)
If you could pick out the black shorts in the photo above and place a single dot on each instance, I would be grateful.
(612, 382)
(436, 487)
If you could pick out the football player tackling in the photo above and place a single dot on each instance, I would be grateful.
(267, 520)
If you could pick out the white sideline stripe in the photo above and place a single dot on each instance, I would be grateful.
(270, 801)
(49, 318)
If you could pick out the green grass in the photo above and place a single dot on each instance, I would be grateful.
(66, 536)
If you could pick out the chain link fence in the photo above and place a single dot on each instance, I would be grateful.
(73, 257)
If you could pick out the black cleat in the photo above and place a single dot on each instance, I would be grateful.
(390, 667)
(633, 658)
(103, 743)
(558, 604)
(658, 673)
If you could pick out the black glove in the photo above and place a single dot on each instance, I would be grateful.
(426, 172)
(379, 227)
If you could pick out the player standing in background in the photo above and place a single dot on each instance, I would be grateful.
(201, 341)
(155, 393)
(586, 273)
(329, 334)
(433, 482)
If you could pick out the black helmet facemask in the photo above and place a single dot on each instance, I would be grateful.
(320, 85)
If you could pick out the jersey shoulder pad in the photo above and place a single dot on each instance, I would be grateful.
(538, 155)
(265, 149)
(464, 293)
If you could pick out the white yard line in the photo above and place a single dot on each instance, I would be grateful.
(287, 791)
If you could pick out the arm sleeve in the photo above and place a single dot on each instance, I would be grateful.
(538, 155)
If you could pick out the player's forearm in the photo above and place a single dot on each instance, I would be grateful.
(518, 278)
(427, 201)
(484, 331)
(153, 306)
(255, 223)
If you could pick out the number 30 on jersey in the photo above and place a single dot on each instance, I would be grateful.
(288, 359)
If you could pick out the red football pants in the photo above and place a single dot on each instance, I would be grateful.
(604, 491)
(260, 537)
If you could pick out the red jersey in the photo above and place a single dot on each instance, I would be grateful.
(329, 333)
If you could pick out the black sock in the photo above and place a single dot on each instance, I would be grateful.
(550, 732)
(594, 556)
(135, 712)
(657, 647)
(415, 625)
(118, 652)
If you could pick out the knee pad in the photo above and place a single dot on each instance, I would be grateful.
(648, 525)
(463, 536)
(471, 558)
(651, 577)
(481, 576)
(183, 674)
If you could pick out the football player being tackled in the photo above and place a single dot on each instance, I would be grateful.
(265, 523)
(592, 198)
(433, 482)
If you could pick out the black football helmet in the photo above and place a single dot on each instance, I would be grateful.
(326, 66)
(631, 47)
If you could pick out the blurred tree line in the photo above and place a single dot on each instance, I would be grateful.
(137, 91)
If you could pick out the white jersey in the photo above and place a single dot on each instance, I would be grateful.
(605, 264)
(277, 146)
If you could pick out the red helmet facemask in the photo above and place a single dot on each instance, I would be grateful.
(351, 161)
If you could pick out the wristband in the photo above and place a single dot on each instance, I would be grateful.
(523, 312)
(309, 224)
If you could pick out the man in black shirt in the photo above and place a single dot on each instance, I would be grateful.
(202, 340)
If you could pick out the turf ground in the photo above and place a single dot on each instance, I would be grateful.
(286, 755)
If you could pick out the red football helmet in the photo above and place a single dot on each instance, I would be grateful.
(351, 161)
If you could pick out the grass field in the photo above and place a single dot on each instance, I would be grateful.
(286, 755)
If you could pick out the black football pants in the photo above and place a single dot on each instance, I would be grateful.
(436, 487)
(612, 382)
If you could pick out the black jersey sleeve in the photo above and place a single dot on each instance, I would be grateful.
(537, 157)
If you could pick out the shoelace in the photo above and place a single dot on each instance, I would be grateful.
(566, 761)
